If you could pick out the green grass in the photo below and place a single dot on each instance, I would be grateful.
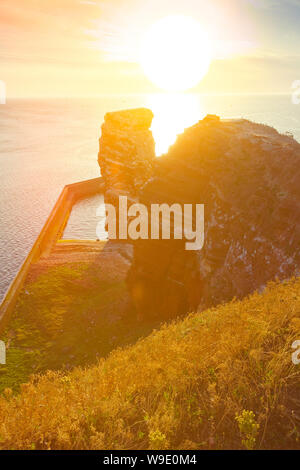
(66, 318)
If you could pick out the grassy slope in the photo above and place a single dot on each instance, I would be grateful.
(219, 379)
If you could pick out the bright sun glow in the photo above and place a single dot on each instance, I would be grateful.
(173, 112)
(175, 53)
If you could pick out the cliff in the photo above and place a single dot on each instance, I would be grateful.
(247, 176)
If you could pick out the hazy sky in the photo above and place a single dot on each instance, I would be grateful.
(80, 48)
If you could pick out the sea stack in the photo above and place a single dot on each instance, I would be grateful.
(126, 153)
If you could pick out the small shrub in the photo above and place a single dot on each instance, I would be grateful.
(248, 428)
(157, 440)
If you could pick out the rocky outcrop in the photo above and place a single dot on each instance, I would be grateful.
(127, 153)
(248, 177)
(126, 159)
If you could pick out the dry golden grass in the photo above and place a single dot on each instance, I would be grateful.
(219, 379)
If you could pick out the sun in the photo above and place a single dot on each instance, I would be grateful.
(175, 53)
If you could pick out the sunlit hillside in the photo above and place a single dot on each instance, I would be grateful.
(221, 379)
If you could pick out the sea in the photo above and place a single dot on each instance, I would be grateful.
(48, 143)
